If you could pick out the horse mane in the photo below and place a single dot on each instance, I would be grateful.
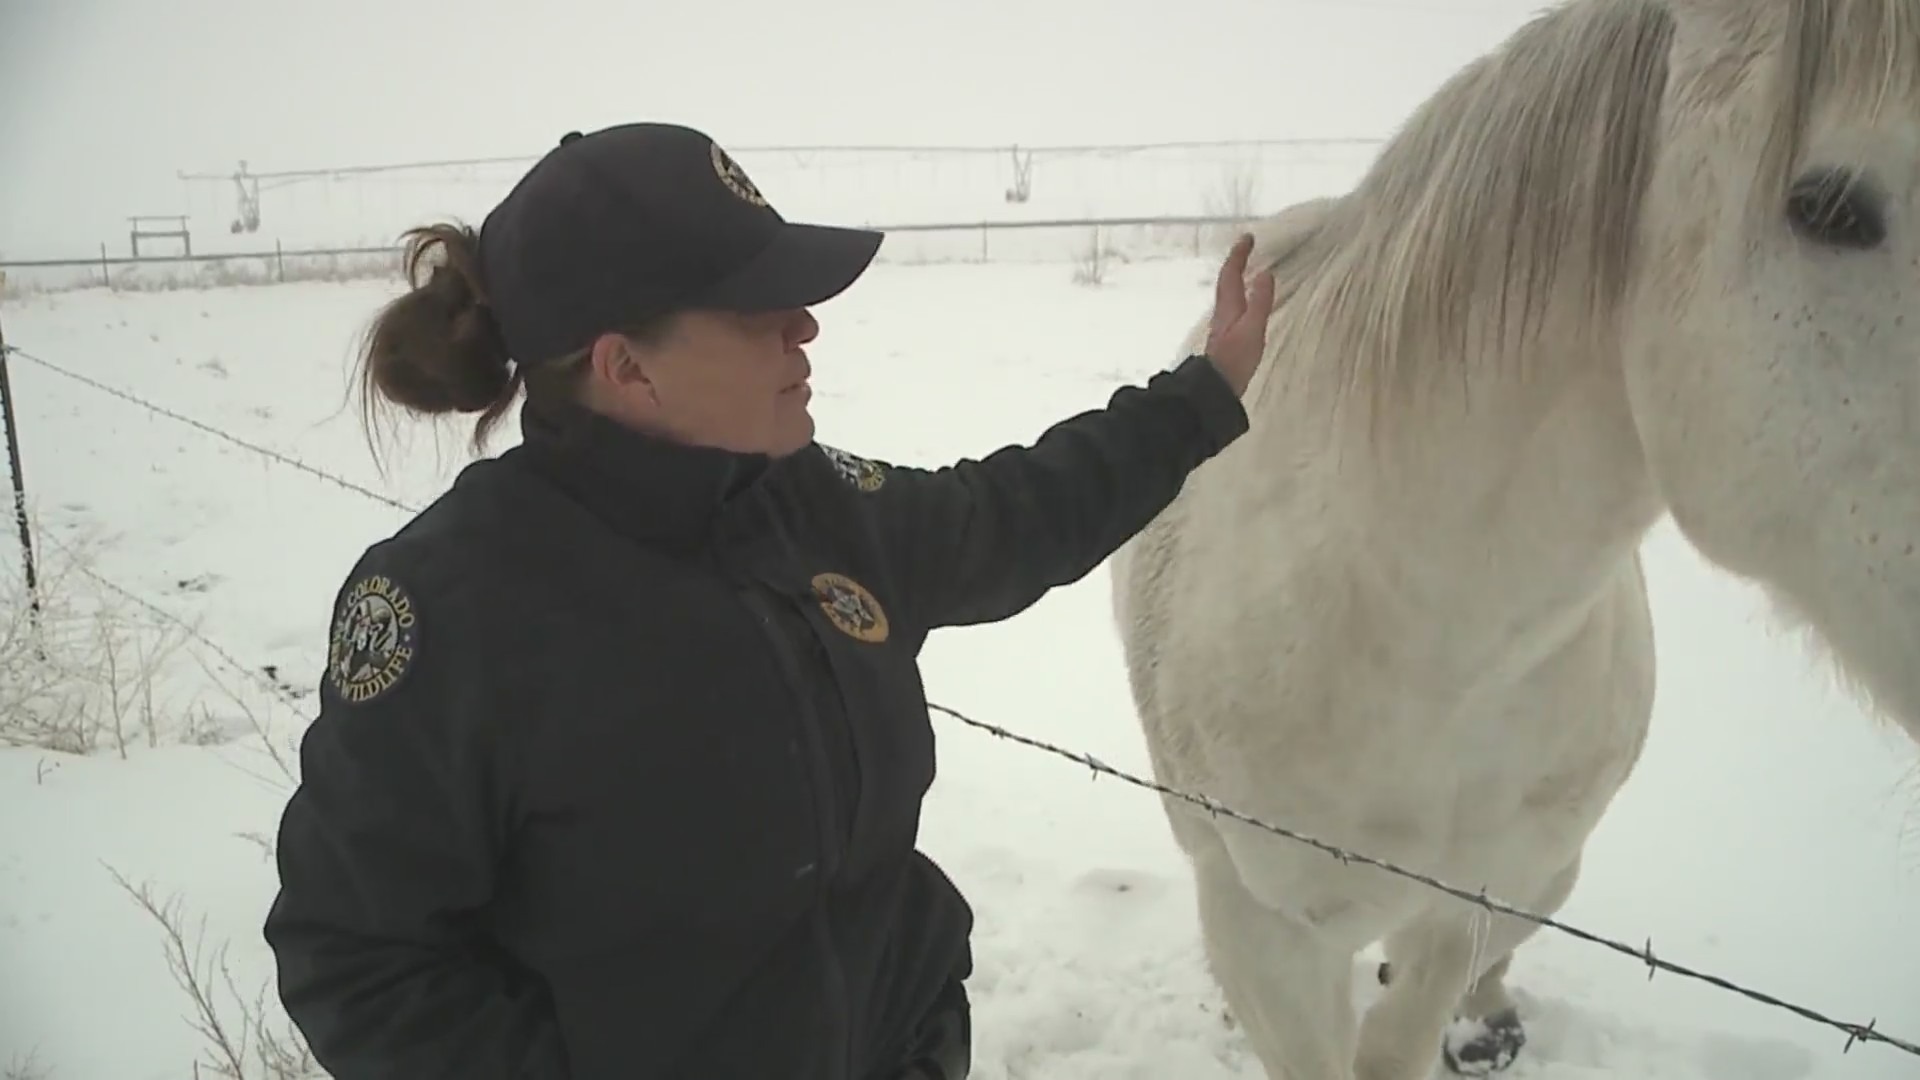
(1518, 185)
(1862, 56)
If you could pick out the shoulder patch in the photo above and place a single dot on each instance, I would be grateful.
(861, 472)
(851, 608)
(374, 640)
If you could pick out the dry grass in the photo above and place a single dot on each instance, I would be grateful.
(87, 667)
(80, 667)
(245, 1037)
(25, 1067)
(1091, 267)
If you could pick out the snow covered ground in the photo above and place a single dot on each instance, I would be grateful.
(1769, 837)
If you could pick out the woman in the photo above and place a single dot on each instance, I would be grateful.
(621, 745)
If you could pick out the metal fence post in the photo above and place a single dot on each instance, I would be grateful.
(19, 483)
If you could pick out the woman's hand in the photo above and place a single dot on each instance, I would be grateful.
(1237, 338)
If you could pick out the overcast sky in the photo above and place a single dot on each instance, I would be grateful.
(103, 102)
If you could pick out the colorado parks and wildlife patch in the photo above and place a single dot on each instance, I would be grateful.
(858, 471)
(375, 633)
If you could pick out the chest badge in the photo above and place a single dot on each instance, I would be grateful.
(851, 608)
(372, 645)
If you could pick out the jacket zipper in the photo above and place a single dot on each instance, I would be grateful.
(820, 781)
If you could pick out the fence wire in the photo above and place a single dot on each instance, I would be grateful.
(1855, 1032)
(274, 455)
(278, 690)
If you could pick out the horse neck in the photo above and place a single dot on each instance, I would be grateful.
(1500, 506)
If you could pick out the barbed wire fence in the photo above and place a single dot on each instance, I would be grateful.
(1855, 1032)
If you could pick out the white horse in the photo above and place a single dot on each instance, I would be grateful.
(1644, 258)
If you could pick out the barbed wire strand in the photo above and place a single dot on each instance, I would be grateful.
(285, 695)
(1855, 1033)
(358, 489)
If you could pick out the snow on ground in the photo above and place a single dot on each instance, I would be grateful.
(1768, 837)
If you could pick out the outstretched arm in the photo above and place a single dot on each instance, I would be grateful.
(983, 540)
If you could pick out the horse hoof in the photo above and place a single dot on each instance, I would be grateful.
(1484, 1047)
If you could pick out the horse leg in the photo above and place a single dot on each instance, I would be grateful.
(1432, 963)
(1289, 989)
(1488, 1034)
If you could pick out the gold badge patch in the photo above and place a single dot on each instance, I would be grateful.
(854, 610)
(373, 641)
(858, 471)
(732, 175)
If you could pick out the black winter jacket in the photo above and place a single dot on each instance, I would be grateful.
(621, 747)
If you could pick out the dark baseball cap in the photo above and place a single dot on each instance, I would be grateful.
(630, 222)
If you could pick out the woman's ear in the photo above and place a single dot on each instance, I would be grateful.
(622, 367)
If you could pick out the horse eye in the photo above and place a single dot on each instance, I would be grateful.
(1831, 207)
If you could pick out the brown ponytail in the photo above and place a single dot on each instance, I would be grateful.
(434, 350)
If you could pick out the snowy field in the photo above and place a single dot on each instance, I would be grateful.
(1771, 836)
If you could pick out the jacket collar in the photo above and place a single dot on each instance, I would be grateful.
(653, 490)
